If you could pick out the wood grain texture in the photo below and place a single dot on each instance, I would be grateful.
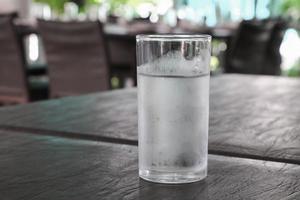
(46, 167)
(256, 115)
(105, 115)
(250, 116)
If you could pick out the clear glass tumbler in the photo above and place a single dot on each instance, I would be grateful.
(173, 107)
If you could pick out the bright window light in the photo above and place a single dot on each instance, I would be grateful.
(33, 47)
(290, 48)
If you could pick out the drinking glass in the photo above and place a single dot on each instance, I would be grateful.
(173, 107)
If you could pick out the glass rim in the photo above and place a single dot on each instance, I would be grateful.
(173, 37)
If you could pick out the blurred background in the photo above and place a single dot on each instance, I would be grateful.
(63, 53)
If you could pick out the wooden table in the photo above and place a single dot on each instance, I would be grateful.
(85, 147)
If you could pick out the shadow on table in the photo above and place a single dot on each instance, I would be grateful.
(148, 190)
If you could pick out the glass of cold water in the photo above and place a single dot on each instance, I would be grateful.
(173, 106)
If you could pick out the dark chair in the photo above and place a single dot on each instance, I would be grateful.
(13, 83)
(273, 57)
(77, 57)
(122, 54)
(12, 15)
(248, 49)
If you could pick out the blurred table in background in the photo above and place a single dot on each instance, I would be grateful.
(121, 41)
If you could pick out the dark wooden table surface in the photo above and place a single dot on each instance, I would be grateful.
(85, 147)
(46, 167)
(250, 116)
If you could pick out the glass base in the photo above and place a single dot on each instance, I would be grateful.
(172, 177)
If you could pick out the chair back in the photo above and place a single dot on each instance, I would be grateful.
(249, 48)
(13, 82)
(273, 57)
(77, 57)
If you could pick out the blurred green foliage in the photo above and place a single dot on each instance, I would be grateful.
(58, 5)
(294, 71)
(287, 5)
(291, 9)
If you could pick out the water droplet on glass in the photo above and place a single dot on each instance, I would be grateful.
(196, 69)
